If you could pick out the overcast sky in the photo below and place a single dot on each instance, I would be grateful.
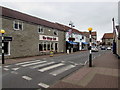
(85, 14)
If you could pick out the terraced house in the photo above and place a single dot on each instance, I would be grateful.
(29, 36)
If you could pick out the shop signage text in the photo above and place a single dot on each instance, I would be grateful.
(48, 38)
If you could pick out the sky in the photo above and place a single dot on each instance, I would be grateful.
(97, 14)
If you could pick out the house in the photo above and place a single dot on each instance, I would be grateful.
(94, 37)
(29, 36)
(74, 38)
(107, 39)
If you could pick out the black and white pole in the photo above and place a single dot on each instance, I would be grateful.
(90, 46)
(2, 32)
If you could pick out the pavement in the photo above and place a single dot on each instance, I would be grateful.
(103, 74)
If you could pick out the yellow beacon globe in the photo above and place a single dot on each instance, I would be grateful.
(2, 31)
(90, 29)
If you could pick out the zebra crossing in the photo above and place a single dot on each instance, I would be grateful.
(42, 66)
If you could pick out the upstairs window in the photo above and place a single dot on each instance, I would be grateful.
(40, 29)
(17, 25)
(55, 32)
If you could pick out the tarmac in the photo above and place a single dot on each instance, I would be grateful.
(103, 74)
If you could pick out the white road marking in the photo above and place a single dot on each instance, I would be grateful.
(14, 72)
(0, 66)
(26, 78)
(7, 66)
(15, 69)
(27, 62)
(50, 67)
(61, 70)
(43, 85)
(37, 66)
(33, 63)
(6, 69)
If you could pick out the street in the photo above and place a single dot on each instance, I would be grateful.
(44, 72)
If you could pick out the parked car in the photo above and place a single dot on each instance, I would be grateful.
(94, 49)
(103, 48)
(108, 48)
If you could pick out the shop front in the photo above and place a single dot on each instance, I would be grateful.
(48, 43)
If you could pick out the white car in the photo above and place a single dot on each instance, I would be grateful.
(94, 49)
(108, 48)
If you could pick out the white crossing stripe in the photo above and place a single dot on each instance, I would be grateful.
(6, 69)
(7, 66)
(33, 63)
(43, 85)
(61, 70)
(14, 72)
(15, 69)
(27, 62)
(26, 77)
(41, 65)
(50, 67)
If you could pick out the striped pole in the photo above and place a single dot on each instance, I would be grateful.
(3, 49)
(90, 53)
(2, 32)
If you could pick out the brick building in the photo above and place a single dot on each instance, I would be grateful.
(107, 39)
(29, 36)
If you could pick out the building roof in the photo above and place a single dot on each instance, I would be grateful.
(108, 36)
(25, 17)
(87, 33)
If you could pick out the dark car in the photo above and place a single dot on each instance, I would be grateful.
(103, 48)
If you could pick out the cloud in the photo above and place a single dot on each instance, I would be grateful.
(83, 14)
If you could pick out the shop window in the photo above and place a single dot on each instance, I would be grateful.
(55, 32)
(51, 46)
(44, 46)
(40, 29)
(48, 46)
(18, 25)
(41, 47)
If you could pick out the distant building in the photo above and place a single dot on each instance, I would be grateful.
(107, 39)
(94, 37)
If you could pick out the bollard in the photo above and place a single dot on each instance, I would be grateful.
(51, 53)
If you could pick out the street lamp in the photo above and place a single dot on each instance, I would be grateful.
(71, 24)
(90, 45)
(2, 32)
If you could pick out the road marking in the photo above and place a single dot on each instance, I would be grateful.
(33, 63)
(26, 78)
(7, 66)
(0, 66)
(6, 69)
(50, 67)
(37, 66)
(43, 85)
(27, 62)
(14, 72)
(15, 69)
(61, 70)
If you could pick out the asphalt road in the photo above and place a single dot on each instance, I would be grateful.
(44, 72)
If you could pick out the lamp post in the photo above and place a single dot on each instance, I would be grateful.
(71, 24)
(90, 45)
(2, 32)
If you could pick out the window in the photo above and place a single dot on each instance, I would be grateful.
(55, 32)
(44, 45)
(41, 47)
(48, 46)
(40, 29)
(18, 25)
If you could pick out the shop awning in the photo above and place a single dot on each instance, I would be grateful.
(71, 42)
(84, 42)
